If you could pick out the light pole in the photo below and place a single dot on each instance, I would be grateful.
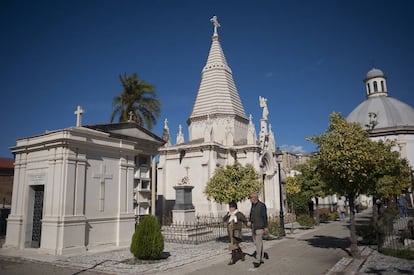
(279, 155)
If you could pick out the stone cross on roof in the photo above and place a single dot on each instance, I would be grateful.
(79, 111)
(216, 24)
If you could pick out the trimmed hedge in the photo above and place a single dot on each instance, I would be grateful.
(147, 241)
(306, 220)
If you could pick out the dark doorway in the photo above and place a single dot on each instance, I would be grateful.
(37, 215)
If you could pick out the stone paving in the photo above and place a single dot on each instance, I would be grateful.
(181, 257)
(121, 261)
(378, 263)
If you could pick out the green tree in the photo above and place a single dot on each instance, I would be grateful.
(296, 199)
(311, 183)
(395, 176)
(351, 164)
(292, 185)
(233, 183)
(137, 100)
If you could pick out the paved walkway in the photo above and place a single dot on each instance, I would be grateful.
(322, 250)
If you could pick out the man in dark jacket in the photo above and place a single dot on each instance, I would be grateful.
(258, 222)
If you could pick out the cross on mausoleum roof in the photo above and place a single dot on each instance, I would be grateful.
(79, 111)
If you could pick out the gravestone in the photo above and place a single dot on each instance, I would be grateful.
(183, 211)
(185, 228)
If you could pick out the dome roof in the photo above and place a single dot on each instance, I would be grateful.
(390, 112)
(374, 73)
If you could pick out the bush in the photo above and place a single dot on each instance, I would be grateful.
(386, 219)
(328, 217)
(367, 232)
(399, 253)
(333, 216)
(274, 229)
(147, 241)
(306, 221)
(324, 217)
(372, 233)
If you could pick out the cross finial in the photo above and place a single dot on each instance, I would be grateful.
(216, 24)
(79, 111)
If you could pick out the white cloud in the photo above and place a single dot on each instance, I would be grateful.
(292, 149)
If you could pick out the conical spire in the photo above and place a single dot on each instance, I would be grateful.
(217, 93)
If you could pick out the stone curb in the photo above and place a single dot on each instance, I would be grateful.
(349, 265)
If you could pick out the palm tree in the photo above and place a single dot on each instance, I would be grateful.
(137, 101)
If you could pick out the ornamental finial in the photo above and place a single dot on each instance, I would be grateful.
(215, 24)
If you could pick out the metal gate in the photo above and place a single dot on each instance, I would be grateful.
(37, 215)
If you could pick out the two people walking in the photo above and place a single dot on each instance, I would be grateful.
(257, 221)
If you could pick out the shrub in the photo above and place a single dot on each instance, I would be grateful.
(147, 241)
(333, 216)
(399, 253)
(372, 233)
(274, 229)
(324, 217)
(385, 220)
(306, 220)
(367, 232)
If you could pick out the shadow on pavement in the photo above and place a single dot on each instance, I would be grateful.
(397, 270)
(329, 242)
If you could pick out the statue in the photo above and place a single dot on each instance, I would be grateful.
(263, 104)
(131, 116)
(184, 180)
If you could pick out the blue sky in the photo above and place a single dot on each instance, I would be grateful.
(308, 58)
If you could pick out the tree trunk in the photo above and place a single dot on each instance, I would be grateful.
(317, 210)
(375, 210)
(354, 241)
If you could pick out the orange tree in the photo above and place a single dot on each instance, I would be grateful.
(295, 197)
(232, 183)
(350, 163)
(311, 183)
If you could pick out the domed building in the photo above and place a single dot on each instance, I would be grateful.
(385, 116)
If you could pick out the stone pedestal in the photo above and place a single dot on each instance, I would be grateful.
(183, 210)
(184, 216)
(185, 227)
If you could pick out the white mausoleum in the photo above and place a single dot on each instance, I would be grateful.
(219, 134)
(80, 187)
